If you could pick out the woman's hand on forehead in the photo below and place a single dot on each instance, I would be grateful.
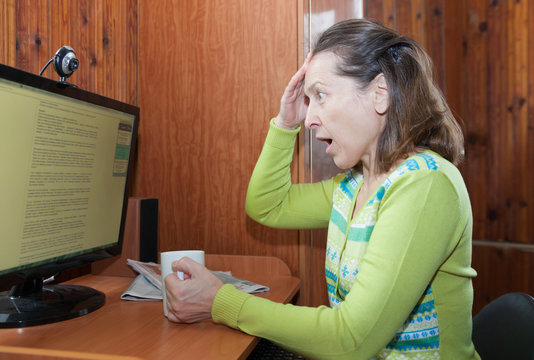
(293, 105)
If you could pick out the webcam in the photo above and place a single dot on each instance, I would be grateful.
(65, 64)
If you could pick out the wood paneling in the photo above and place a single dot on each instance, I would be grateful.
(498, 155)
(499, 141)
(102, 32)
(481, 52)
(503, 271)
(8, 37)
(434, 37)
(515, 160)
(475, 114)
(211, 76)
(33, 46)
(382, 11)
(530, 124)
(454, 27)
(409, 19)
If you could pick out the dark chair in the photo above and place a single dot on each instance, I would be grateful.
(504, 329)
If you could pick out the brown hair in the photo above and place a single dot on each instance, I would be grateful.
(418, 115)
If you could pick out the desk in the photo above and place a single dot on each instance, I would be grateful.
(123, 330)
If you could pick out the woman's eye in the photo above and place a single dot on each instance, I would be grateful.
(321, 95)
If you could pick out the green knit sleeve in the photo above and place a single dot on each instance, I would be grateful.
(414, 234)
(273, 200)
(227, 305)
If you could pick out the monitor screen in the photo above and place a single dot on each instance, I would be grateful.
(65, 157)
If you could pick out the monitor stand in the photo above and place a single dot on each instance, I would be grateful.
(31, 303)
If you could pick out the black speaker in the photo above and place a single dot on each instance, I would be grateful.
(148, 230)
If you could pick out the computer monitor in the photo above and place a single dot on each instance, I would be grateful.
(65, 156)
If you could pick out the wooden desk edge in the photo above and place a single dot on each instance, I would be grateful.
(27, 353)
(262, 269)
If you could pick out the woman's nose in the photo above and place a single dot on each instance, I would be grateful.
(312, 121)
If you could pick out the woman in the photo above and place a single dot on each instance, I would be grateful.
(398, 259)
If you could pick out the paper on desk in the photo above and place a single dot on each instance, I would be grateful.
(240, 284)
(150, 270)
(142, 290)
(147, 286)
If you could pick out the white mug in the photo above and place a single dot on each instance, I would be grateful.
(167, 258)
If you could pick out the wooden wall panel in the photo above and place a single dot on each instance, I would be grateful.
(130, 56)
(505, 268)
(211, 76)
(499, 156)
(530, 123)
(455, 73)
(434, 38)
(515, 159)
(482, 55)
(476, 114)
(382, 11)
(409, 19)
(33, 49)
(8, 39)
(497, 116)
(102, 32)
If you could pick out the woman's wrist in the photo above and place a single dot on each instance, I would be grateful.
(227, 305)
(281, 124)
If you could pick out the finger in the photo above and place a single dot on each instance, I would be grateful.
(295, 84)
(307, 61)
(187, 318)
(191, 317)
(186, 265)
(301, 72)
(172, 282)
(195, 318)
(172, 317)
(299, 76)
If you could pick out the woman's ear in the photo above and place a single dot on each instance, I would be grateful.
(380, 94)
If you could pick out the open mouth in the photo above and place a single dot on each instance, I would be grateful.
(328, 142)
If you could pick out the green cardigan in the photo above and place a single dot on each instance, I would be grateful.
(398, 274)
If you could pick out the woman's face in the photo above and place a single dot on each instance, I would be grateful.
(342, 116)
